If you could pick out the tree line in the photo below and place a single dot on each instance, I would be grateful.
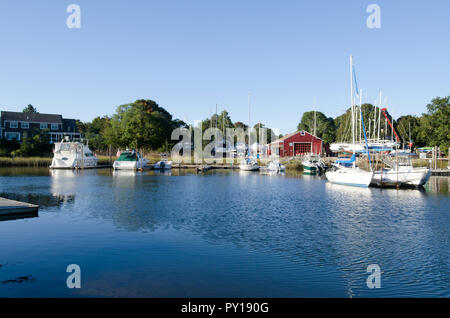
(431, 129)
(144, 124)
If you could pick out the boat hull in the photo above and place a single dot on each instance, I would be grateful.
(411, 177)
(163, 165)
(128, 165)
(276, 167)
(249, 168)
(309, 169)
(59, 163)
(350, 177)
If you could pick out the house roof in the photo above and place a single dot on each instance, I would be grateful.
(32, 117)
(290, 135)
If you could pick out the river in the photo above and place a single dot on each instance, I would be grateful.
(221, 234)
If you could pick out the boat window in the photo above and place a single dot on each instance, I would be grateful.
(127, 156)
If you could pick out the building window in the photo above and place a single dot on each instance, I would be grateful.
(24, 125)
(302, 133)
(55, 126)
(13, 124)
(12, 136)
(44, 126)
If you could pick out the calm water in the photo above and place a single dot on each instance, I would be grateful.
(221, 234)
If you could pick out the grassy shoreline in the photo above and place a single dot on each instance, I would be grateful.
(39, 161)
(25, 161)
(105, 160)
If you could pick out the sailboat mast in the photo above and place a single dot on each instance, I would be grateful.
(352, 104)
(360, 116)
(315, 122)
(410, 142)
(249, 125)
(379, 117)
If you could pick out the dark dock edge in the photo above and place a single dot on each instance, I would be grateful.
(12, 207)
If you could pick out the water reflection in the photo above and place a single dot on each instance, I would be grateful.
(43, 200)
(342, 192)
(161, 172)
(439, 185)
(299, 223)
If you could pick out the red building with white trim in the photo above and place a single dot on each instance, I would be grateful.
(299, 143)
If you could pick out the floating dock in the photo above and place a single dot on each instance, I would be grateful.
(201, 167)
(11, 207)
(441, 173)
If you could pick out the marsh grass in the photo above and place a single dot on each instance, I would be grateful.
(25, 161)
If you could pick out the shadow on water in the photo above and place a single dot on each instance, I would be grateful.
(19, 216)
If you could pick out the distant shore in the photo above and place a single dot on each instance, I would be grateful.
(293, 164)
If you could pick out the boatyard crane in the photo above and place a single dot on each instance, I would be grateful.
(384, 110)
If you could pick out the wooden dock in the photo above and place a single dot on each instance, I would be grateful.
(440, 173)
(198, 167)
(11, 207)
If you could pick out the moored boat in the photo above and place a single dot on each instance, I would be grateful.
(346, 172)
(130, 160)
(249, 164)
(275, 165)
(204, 168)
(400, 173)
(350, 176)
(72, 154)
(163, 164)
(313, 164)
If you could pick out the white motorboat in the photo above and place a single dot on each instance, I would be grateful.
(72, 154)
(130, 160)
(275, 165)
(404, 176)
(347, 173)
(249, 164)
(163, 164)
(313, 164)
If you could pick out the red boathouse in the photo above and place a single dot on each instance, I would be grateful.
(299, 143)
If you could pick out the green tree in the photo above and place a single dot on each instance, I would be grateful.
(142, 124)
(36, 143)
(270, 134)
(369, 111)
(95, 132)
(408, 129)
(325, 127)
(434, 125)
(30, 109)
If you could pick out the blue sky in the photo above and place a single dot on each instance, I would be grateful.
(190, 55)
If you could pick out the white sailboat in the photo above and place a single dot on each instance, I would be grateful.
(71, 154)
(275, 165)
(312, 163)
(352, 176)
(249, 163)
